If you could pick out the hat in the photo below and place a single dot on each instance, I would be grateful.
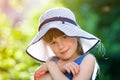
(64, 20)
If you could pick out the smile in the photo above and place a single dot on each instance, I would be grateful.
(64, 52)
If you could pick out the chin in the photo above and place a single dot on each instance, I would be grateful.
(65, 58)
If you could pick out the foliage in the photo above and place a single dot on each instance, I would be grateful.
(14, 62)
(101, 18)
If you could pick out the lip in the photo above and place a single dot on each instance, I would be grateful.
(64, 52)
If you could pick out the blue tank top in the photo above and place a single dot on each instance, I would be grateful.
(78, 61)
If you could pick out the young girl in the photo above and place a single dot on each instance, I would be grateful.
(64, 47)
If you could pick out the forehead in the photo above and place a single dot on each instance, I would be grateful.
(51, 34)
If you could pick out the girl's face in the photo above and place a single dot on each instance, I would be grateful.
(64, 47)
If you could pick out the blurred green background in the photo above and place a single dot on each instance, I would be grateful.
(19, 20)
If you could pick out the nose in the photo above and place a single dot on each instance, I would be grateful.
(61, 44)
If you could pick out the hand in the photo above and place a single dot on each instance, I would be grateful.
(70, 67)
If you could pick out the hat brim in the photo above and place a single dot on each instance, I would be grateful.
(41, 51)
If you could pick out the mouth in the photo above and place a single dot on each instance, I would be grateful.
(64, 52)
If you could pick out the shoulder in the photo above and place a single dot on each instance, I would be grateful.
(86, 67)
(89, 59)
(88, 63)
(90, 56)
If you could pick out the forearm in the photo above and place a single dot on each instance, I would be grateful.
(43, 67)
(40, 72)
(55, 72)
(45, 77)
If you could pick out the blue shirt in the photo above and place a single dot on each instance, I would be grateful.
(78, 61)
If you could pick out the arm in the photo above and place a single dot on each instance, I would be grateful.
(42, 70)
(86, 68)
(60, 66)
(70, 67)
(53, 69)
(45, 77)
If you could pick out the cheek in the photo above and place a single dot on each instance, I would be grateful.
(72, 42)
(54, 49)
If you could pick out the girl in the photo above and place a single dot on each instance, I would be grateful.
(60, 36)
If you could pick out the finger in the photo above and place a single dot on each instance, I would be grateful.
(72, 71)
(67, 69)
(75, 68)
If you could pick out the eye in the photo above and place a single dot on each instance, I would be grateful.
(64, 36)
(53, 43)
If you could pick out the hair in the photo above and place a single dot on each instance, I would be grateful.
(51, 34)
(54, 33)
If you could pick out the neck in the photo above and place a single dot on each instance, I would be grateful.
(74, 56)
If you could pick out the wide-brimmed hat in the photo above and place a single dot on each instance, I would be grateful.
(64, 20)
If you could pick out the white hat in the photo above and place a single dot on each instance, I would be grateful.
(64, 20)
